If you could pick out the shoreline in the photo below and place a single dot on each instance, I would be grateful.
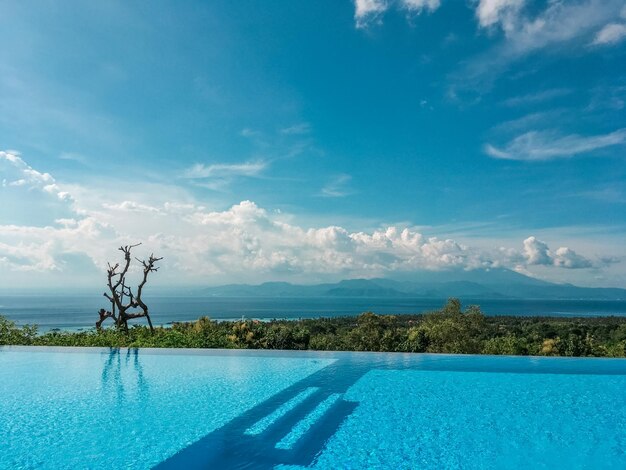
(81, 329)
(448, 330)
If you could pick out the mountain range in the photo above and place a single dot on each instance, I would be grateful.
(480, 283)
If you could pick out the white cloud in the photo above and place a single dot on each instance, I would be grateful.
(528, 30)
(609, 193)
(548, 145)
(417, 6)
(567, 258)
(13, 163)
(338, 186)
(247, 132)
(200, 170)
(218, 176)
(41, 249)
(611, 34)
(27, 257)
(538, 97)
(247, 242)
(367, 11)
(297, 129)
(528, 121)
(537, 252)
(244, 243)
(561, 21)
(16, 172)
(73, 157)
(181, 207)
(131, 206)
(502, 12)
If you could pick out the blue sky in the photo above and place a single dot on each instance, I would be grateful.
(313, 140)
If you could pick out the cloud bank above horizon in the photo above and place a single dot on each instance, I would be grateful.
(243, 243)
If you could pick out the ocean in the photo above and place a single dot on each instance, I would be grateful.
(80, 311)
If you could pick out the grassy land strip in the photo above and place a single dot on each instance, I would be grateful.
(449, 330)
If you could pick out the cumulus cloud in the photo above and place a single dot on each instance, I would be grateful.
(567, 258)
(250, 238)
(27, 257)
(537, 252)
(41, 249)
(548, 145)
(247, 242)
(243, 243)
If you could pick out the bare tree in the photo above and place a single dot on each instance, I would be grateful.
(121, 295)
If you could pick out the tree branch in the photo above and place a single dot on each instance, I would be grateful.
(116, 282)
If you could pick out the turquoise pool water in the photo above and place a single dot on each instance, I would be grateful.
(100, 408)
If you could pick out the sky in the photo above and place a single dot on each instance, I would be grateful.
(310, 141)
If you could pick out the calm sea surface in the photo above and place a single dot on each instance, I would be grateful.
(81, 311)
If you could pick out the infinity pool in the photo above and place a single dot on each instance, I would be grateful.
(101, 408)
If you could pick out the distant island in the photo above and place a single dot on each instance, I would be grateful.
(479, 284)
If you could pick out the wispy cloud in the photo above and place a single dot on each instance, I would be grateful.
(559, 22)
(417, 6)
(247, 132)
(611, 34)
(219, 176)
(297, 129)
(131, 206)
(368, 11)
(16, 172)
(74, 157)
(498, 12)
(338, 186)
(548, 145)
(528, 121)
(225, 170)
(529, 30)
(538, 97)
(612, 194)
(612, 98)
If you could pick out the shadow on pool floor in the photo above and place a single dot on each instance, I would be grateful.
(231, 447)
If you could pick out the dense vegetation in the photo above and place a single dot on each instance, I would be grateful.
(449, 330)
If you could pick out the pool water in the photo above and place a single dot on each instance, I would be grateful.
(101, 408)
